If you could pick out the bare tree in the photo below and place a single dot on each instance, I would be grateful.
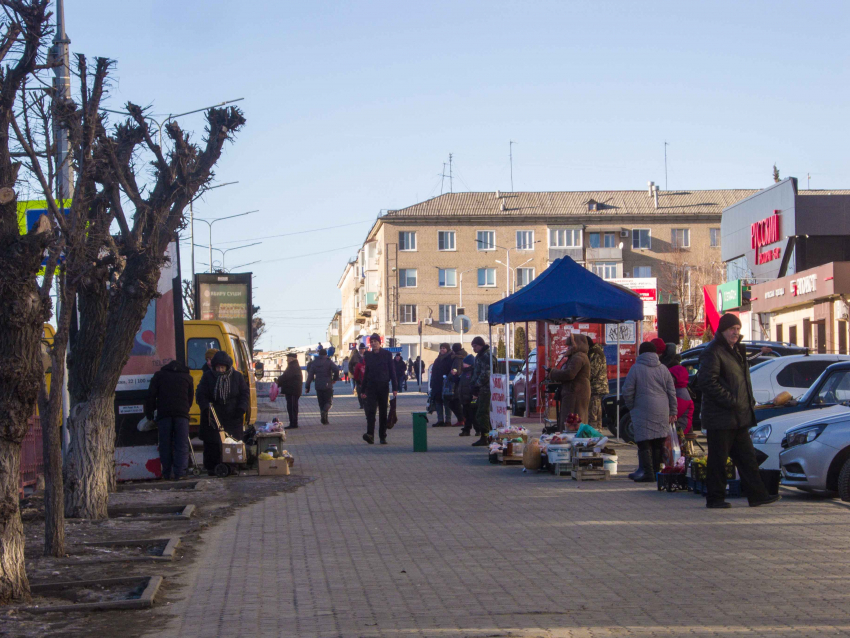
(683, 277)
(24, 32)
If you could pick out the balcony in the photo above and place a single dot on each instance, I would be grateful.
(372, 300)
(577, 254)
(604, 254)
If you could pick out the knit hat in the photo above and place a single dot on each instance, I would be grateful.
(648, 346)
(447, 346)
(323, 352)
(727, 321)
(680, 376)
(659, 344)
(456, 348)
(222, 359)
(362, 346)
(210, 353)
(469, 360)
(375, 337)
(478, 341)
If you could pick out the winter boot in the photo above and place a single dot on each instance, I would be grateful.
(481, 441)
(644, 473)
(465, 431)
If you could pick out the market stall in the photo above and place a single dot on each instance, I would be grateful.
(566, 293)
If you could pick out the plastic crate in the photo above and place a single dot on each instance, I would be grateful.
(672, 482)
(733, 487)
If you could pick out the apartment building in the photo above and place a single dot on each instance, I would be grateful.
(422, 265)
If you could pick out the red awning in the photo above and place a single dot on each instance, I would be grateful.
(712, 316)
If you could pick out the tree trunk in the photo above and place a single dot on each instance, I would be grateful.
(51, 432)
(89, 468)
(13, 577)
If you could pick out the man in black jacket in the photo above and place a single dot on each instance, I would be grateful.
(380, 372)
(326, 373)
(727, 415)
(290, 384)
(227, 392)
(170, 393)
(400, 370)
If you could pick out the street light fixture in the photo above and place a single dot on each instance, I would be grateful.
(221, 219)
(460, 299)
(227, 250)
(192, 220)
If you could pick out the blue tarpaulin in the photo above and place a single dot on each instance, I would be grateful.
(566, 291)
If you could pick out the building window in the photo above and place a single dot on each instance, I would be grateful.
(407, 278)
(446, 240)
(641, 272)
(483, 310)
(641, 238)
(564, 238)
(525, 240)
(407, 240)
(448, 312)
(486, 239)
(594, 240)
(792, 334)
(779, 335)
(680, 238)
(408, 313)
(486, 277)
(609, 240)
(605, 269)
(448, 277)
(714, 237)
(524, 276)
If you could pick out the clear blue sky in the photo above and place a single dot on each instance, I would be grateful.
(353, 107)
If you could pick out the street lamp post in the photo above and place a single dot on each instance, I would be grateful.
(227, 250)
(460, 299)
(192, 221)
(221, 219)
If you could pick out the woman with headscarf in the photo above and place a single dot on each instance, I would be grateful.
(226, 392)
(574, 377)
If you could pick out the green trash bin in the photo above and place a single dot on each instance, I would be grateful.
(420, 431)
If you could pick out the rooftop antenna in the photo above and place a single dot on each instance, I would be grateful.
(442, 178)
(665, 165)
(451, 182)
(808, 181)
(511, 155)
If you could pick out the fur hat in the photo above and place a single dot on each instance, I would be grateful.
(478, 341)
(210, 353)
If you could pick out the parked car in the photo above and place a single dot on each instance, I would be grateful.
(690, 360)
(515, 366)
(832, 387)
(794, 373)
(767, 436)
(816, 455)
(520, 382)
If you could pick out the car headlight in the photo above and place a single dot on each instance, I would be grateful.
(803, 435)
(761, 433)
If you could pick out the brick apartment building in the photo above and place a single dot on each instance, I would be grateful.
(424, 262)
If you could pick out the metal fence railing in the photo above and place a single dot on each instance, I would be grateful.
(32, 458)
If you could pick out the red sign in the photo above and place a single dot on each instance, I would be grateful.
(765, 232)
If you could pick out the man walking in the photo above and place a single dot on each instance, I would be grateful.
(170, 393)
(400, 370)
(481, 388)
(356, 359)
(727, 414)
(380, 372)
(290, 384)
(325, 373)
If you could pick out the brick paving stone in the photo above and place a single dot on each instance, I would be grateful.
(386, 542)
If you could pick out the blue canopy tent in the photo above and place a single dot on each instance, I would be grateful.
(568, 292)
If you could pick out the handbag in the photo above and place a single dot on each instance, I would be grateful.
(448, 389)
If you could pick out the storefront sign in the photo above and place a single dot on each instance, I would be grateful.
(763, 233)
(804, 285)
(646, 288)
(771, 294)
(729, 295)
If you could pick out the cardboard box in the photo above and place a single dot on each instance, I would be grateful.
(273, 467)
(232, 452)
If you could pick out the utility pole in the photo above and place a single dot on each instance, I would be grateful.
(665, 165)
(511, 155)
(62, 90)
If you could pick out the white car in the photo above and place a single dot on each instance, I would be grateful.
(767, 436)
(794, 373)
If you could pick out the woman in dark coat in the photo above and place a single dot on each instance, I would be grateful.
(442, 367)
(225, 391)
(290, 384)
(574, 377)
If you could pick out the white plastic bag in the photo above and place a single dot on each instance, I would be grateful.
(146, 425)
(672, 449)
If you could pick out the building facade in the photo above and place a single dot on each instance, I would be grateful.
(423, 265)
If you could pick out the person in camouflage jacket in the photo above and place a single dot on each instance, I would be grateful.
(481, 388)
(598, 383)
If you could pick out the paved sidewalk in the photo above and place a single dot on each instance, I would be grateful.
(390, 543)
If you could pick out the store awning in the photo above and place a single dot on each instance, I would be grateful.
(566, 291)
(712, 317)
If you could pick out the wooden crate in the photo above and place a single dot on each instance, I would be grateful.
(509, 460)
(585, 474)
(561, 468)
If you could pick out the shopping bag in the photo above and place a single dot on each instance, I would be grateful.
(273, 392)
(672, 449)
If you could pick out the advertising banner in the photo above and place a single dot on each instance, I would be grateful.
(223, 297)
(729, 295)
(646, 288)
(498, 400)
(155, 344)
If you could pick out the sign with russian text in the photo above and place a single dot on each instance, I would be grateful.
(763, 233)
(646, 288)
(498, 400)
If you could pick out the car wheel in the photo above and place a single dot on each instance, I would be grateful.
(844, 482)
(626, 430)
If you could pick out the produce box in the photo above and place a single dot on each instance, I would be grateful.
(273, 467)
(558, 453)
(232, 452)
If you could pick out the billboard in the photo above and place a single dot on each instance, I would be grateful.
(157, 343)
(225, 297)
(729, 295)
(646, 288)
